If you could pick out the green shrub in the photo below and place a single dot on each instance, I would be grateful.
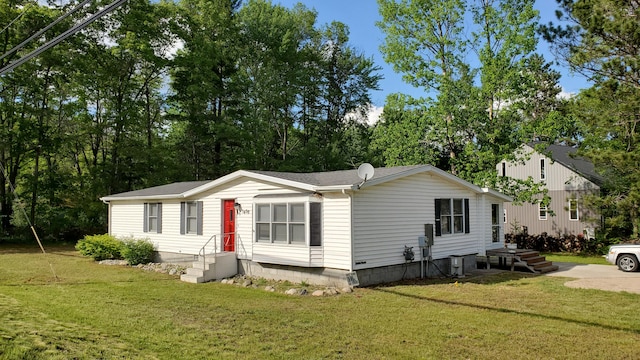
(100, 247)
(137, 251)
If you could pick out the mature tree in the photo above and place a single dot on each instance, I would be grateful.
(330, 115)
(251, 85)
(486, 89)
(25, 110)
(599, 38)
(203, 93)
(425, 41)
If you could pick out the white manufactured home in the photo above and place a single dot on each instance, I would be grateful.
(321, 228)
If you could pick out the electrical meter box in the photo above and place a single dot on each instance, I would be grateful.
(421, 241)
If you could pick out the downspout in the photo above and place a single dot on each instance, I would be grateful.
(108, 216)
(344, 192)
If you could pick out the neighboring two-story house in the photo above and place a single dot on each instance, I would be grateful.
(568, 179)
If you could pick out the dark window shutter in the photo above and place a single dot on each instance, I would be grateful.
(183, 215)
(199, 219)
(145, 218)
(315, 226)
(466, 216)
(438, 221)
(159, 218)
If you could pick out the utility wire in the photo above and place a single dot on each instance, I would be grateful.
(24, 10)
(58, 39)
(42, 31)
(33, 230)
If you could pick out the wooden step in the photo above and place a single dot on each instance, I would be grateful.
(547, 269)
(527, 254)
(541, 264)
(534, 259)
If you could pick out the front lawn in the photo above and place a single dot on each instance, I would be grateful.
(90, 311)
(578, 259)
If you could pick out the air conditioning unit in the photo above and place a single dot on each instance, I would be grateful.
(457, 266)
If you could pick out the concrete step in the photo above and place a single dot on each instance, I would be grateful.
(204, 266)
(191, 278)
(195, 271)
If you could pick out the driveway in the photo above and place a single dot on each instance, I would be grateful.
(602, 277)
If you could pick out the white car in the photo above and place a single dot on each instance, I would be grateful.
(625, 256)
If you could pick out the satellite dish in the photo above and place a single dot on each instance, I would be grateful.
(365, 172)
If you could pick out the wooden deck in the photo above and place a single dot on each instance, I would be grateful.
(520, 258)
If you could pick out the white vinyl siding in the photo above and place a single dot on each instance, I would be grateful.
(336, 236)
(127, 219)
(388, 216)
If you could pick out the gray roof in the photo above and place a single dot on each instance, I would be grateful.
(319, 181)
(334, 178)
(162, 190)
(567, 156)
(330, 178)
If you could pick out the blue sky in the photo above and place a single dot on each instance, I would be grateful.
(361, 16)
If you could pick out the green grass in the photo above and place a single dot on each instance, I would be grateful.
(578, 259)
(95, 311)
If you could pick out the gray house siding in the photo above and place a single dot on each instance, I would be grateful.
(563, 182)
(558, 221)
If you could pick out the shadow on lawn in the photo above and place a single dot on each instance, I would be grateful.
(493, 276)
(506, 311)
(58, 249)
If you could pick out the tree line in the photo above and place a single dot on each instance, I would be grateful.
(159, 92)
(163, 92)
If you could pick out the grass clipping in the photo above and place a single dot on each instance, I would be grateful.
(30, 335)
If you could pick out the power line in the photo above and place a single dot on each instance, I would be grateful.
(24, 10)
(42, 31)
(62, 36)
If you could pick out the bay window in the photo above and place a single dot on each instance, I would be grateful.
(294, 223)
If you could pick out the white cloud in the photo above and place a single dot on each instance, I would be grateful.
(371, 117)
(565, 94)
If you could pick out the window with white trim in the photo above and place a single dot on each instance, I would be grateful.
(288, 223)
(191, 217)
(495, 223)
(452, 216)
(152, 217)
(542, 212)
(573, 209)
(543, 170)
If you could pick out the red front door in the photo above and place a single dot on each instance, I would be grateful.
(229, 227)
